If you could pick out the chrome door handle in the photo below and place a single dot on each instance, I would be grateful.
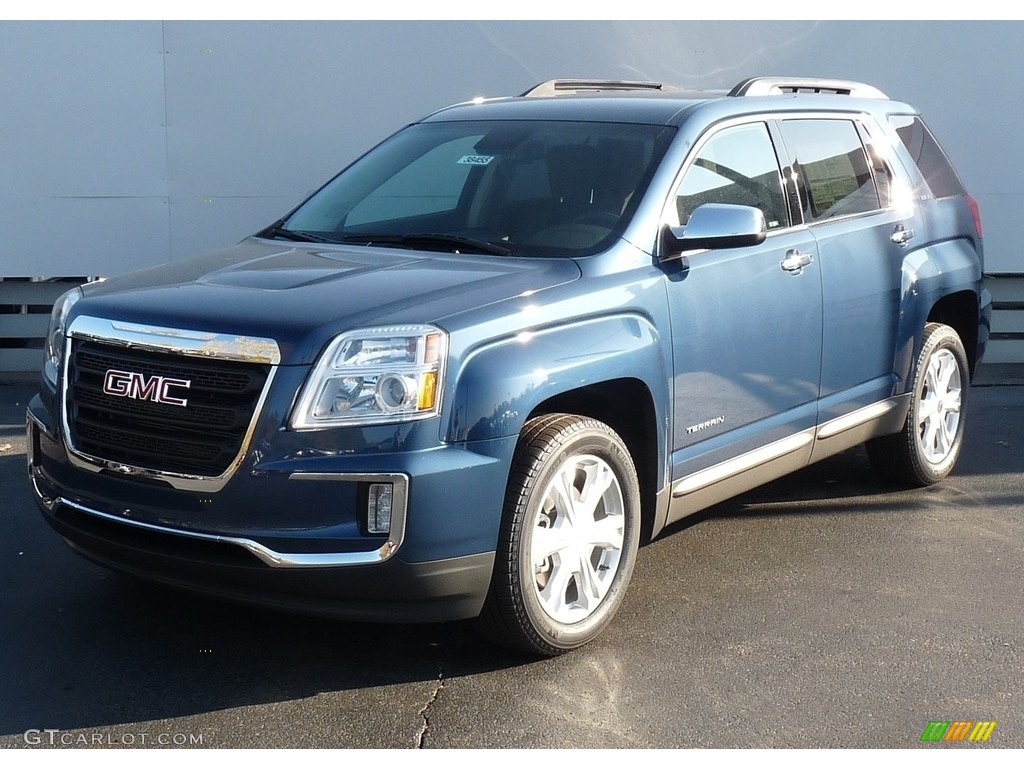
(795, 261)
(901, 236)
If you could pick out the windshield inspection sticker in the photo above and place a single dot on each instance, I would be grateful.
(475, 159)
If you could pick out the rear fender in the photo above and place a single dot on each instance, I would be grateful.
(929, 274)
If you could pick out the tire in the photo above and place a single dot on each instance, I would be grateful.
(564, 556)
(926, 449)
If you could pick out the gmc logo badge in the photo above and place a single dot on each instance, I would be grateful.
(139, 387)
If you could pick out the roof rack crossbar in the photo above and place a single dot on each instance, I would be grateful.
(556, 87)
(776, 86)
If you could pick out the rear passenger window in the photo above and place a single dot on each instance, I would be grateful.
(928, 155)
(835, 178)
(736, 166)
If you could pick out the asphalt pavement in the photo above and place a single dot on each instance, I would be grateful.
(822, 610)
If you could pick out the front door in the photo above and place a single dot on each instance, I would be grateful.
(746, 328)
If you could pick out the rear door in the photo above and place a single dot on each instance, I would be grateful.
(846, 194)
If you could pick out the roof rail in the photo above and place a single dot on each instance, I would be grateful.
(566, 87)
(776, 86)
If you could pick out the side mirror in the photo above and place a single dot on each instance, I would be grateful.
(715, 225)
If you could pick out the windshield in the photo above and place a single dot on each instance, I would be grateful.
(528, 188)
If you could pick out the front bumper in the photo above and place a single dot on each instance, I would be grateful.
(286, 533)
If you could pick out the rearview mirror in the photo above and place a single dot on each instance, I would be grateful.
(715, 225)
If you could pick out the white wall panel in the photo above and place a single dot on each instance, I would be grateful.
(81, 111)
(82, 148)
(204, 224)
(56, 236)
(257, 114)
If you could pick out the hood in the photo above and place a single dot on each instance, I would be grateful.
(302, 295)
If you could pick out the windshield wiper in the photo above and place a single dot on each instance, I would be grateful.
(430, 240)
(277, 232)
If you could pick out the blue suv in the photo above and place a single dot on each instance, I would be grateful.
(468, 375)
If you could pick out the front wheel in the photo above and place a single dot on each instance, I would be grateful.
(569, 536)
(927, 447)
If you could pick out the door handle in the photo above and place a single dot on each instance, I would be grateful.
(795, 261)
(901, 236)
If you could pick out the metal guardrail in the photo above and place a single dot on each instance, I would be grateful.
(1006, 342)
(25, 306)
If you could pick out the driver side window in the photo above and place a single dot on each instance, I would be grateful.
(736, 166)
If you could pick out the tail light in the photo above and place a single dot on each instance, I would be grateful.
(975, 214)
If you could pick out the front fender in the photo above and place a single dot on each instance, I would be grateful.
(500, 384)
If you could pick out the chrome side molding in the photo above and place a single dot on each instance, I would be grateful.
(729, 478)
(746, 461)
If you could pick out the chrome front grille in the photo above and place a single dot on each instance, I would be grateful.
(202, 438)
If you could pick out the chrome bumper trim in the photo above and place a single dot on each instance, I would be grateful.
(30, 443)
(399, 500)
(269, 556)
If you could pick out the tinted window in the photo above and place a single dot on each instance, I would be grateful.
(431, 183)
(736, 166)
(928, 155)
(832, 168)
(532, 187)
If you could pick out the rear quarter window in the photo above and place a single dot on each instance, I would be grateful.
(928, 156)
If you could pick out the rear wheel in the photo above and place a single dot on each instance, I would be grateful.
(927, 447)
(569, 536)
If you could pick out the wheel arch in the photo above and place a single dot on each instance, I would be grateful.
(927, 447)
(611, 368)
(625, 405)
(940, 283)
(960, 312)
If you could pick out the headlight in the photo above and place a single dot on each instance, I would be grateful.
(55, 334)
(375, 376)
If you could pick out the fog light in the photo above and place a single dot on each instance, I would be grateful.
(378, 508)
